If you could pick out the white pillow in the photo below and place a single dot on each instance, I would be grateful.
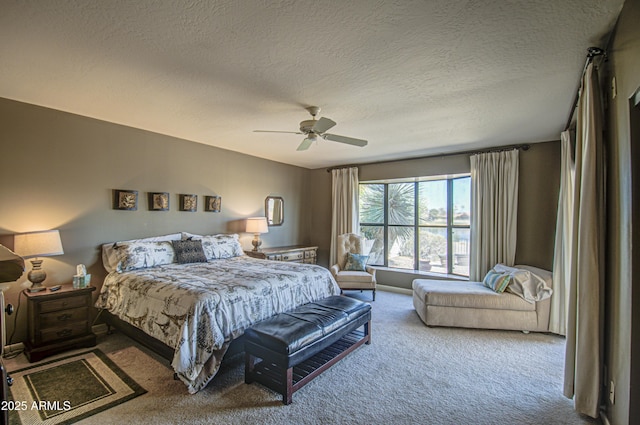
(527, 282)
(110, 257)
(221, 246)
(140, 255)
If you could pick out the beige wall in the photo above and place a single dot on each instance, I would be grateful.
(621, 331)
(58, 171)
(537, 205)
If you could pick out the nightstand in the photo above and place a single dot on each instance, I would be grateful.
(58, 321)
(295, 254)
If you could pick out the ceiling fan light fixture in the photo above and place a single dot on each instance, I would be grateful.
(313, 128)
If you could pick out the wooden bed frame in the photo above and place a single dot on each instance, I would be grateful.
(155, 345)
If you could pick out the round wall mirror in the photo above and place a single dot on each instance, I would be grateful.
(274, 210)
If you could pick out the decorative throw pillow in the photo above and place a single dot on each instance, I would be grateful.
(189, 251)
(217, 247)
(497, 281)
(356, 262)
(140, 255)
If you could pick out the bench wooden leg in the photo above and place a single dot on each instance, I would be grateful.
(367, 332)
(249, 365)
(287, 397)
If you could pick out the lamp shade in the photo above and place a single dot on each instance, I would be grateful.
(38, 244)
(257, 225)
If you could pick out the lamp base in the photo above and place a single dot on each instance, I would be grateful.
(256, 242)
(36, 276)
(35, 288)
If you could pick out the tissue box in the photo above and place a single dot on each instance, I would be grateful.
(81, 281)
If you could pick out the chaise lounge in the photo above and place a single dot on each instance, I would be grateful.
(474, 305)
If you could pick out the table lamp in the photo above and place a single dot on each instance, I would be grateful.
(38, 244)
(257, 225)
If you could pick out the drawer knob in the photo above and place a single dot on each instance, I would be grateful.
(65, 317)
(65, 332)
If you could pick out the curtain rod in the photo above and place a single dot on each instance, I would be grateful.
(524, 147)
(592, 53)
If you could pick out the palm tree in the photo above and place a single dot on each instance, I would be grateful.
(401, 211)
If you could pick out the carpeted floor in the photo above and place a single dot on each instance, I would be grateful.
(410, 374)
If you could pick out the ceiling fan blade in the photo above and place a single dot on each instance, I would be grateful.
(344, 139)
(305, 144)
(274, 131)
(322, 125)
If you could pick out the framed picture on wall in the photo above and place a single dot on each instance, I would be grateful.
(188, 202)
(159, 201)
(125, 199)
(212, 203)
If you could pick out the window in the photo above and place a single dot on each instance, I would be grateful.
(423, 224)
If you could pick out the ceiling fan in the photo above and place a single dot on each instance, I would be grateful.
(313, 128)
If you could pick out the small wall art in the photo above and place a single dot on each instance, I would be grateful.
(159, 201)
(212, 203)
(188, 202)
(125, 199)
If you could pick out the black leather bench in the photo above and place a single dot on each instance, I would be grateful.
(288, 350)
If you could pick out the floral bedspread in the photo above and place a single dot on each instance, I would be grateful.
(199, 308)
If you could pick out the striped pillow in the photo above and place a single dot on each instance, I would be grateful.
(497, 281)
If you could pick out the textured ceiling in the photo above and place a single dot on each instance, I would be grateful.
(414, 77)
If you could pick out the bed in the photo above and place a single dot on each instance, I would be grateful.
(199, 306)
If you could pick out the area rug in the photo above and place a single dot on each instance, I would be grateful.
(69, 389)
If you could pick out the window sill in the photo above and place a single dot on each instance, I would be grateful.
(426, 275)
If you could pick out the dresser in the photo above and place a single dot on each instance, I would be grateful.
(58, 321)
(294, 253)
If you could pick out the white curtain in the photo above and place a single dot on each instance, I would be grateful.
(583, 359)
(562, 252)
(494, 203)
(344, 201)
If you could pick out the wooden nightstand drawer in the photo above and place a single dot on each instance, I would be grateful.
(64, 332)
(61, 318)
(58, 321)
(294, 254)
(61, 304)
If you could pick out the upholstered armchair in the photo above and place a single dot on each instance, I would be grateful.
(351, 272)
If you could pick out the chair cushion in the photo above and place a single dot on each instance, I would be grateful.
(466, 295)
(355, 276)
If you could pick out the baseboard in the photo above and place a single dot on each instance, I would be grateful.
(13, 348)
(394, 289)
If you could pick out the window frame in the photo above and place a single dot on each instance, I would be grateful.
(416, 227)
